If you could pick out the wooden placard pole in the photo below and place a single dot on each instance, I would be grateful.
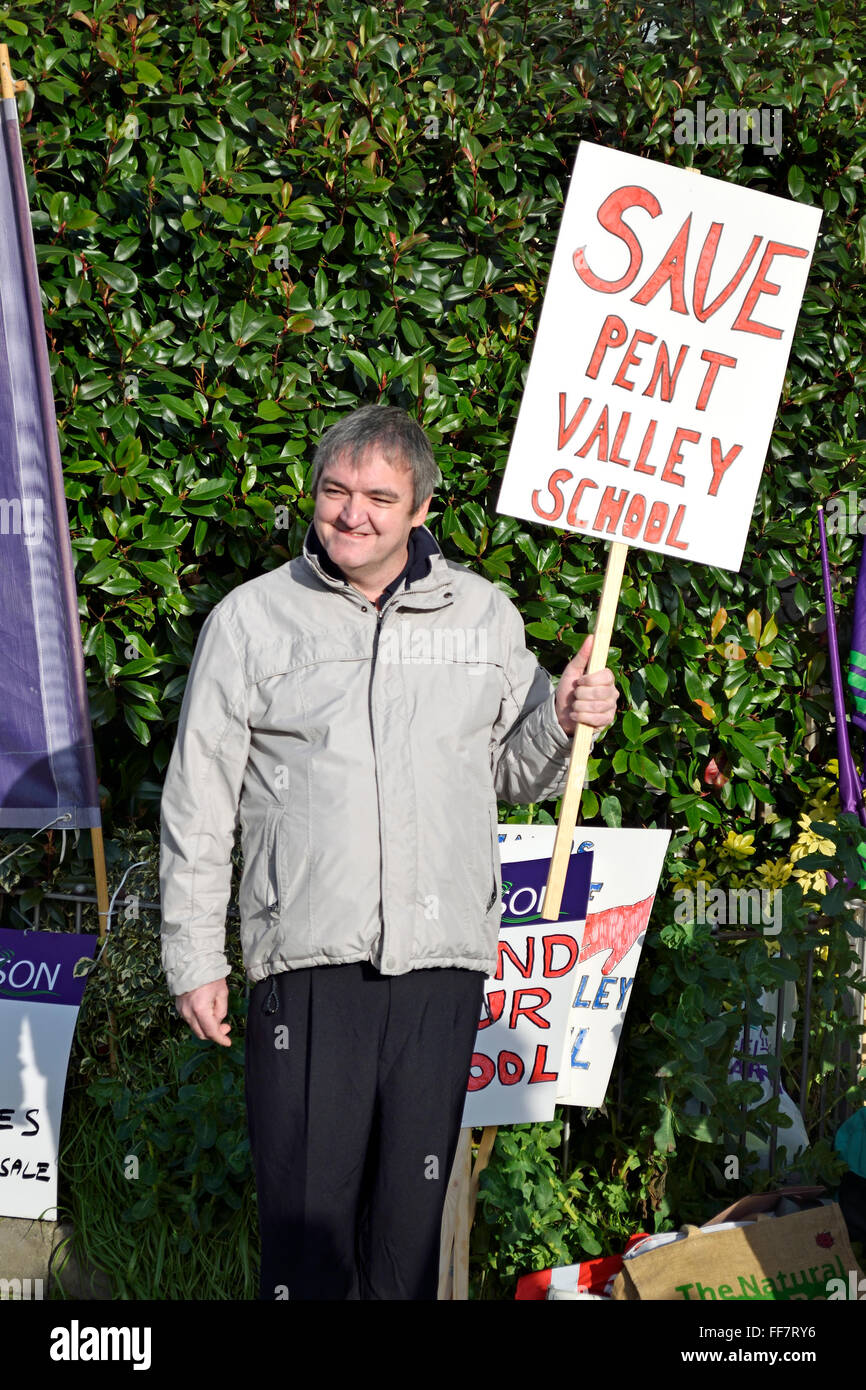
(582, 741)
(459, 1214)
(8, 88)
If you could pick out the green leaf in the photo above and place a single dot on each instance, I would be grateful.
(205, 489)
(631, 726)
(245, 325)
(185, 409)
(796, 181)
(664, 1135)
(754, 755)
(474, 272)
(364, 365)
(647, 770)
(192, 168)
(546, 630)
(118, 277)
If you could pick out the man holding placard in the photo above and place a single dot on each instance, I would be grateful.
(359, 710)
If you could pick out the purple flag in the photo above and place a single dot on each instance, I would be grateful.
(850, 786)
(47, 767)
(857, 654)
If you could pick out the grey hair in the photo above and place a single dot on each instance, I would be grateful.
(389, 429)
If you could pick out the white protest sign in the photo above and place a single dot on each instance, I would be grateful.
(39, 999)
(760, 1048)
(514, 1073)
(659, 358)
(626, 868)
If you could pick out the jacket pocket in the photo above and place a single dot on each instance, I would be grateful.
(273, 865)
(496, 886)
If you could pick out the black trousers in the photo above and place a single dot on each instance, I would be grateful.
(355, 1084)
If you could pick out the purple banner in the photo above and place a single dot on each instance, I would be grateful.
(47, 767)
(36, 966)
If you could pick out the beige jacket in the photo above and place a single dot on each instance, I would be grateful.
(362, 755)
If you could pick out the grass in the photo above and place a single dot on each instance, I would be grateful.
(186, 1226)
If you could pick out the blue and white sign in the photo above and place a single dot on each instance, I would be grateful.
(39, 1001)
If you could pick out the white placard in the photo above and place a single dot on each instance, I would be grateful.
(39, 999)
(660, 356)
(514, 1074)
(626, 868)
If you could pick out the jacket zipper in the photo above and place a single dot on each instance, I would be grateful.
(494, 832)
(379, 616)
(271, 1002)
(274, 869)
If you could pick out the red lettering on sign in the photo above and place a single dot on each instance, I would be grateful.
(640, 463)
(675, 456)
(518, 1008)
(610, 217)
(613, 334)
(524, 966)
(578, 493)
(495, 1004)
(549, 943)
(487, 1069)
(634, 516)
(599, 433)
(662, 372)
(715, 360)
(704, 270)
(610, 509)
(510, 1068)
(721, 463)
(761, 285)
(538, 1072)
(566, 431)
(559, 475)
(675, 529)
(671, 270)
(631, 358)
(655, 522)
(619, 440)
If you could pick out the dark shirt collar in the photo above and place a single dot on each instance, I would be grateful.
(421, 546)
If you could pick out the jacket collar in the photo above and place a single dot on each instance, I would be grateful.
(425, 573)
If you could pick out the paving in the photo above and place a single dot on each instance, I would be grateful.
(32, 1250)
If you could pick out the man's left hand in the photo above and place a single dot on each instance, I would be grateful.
(585, 699)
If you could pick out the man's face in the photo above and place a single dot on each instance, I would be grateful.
(364, 515)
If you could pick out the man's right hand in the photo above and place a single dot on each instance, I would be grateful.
(204, 1010)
